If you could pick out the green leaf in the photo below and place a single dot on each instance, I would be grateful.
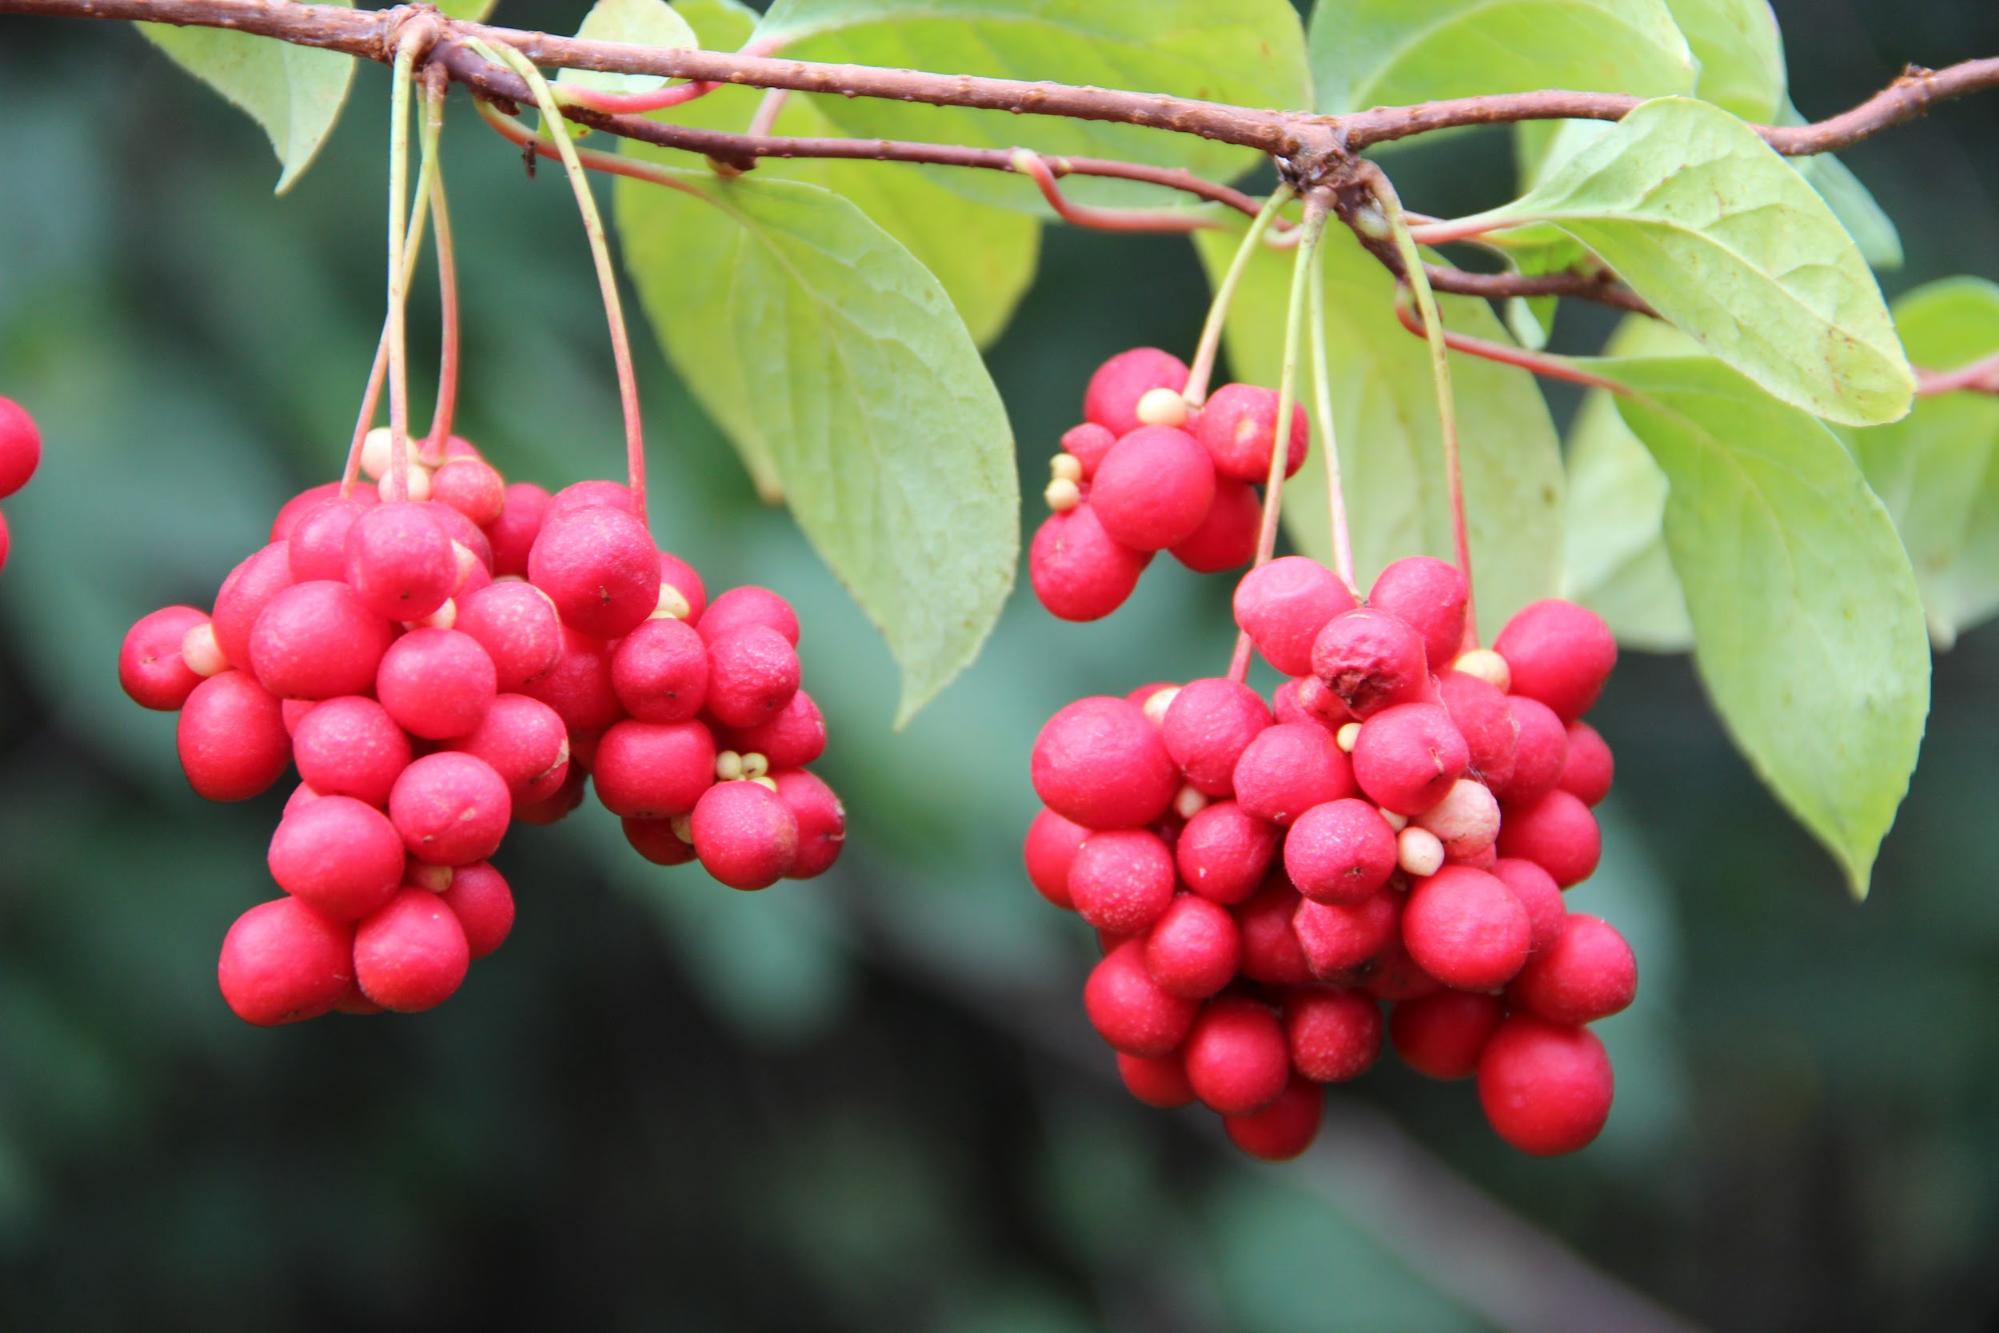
(1394, 52)
(1739, 52)
(294, 92)
(1701, 218)
(1250, 52)
(1850, 201)
(1937, 469)
(834, 359)
(1386, 417)
(471, 11)
(646, 22)
(1807, 625)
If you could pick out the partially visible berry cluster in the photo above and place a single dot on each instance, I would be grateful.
(20, 455)
(440, 666)
(1148, 472)
(1398, 828)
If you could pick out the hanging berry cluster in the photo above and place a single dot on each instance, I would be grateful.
(1396, 826)
(441, 666)
(20, 455)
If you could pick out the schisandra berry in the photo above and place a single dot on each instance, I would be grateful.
(1540, 750)
(1271, 950)
(1340, 852)
(1111, 399)
(682, 594)
(660, 672)
(1587, 974)
(1207, 727)
(753, 673)
(472, 487)
(400, 561)
(1159, 1080)
(1394, 976)
(579, 687)
(1466, 821)
(1285, 1128)
(513, 532)
(747, 606)
(526, 744)
(412, 953)
(654, 770)
(1224, 851)
(593, 493)
(283, 962)
(1287, 769)
(1079, 573)
(1227, 537)
(1465, 928)
(1485, 719)
(1087, 444)
(1371, 660)
(1336, 938)
(436, 683)
(20, 447)
(1539, 894)
(1430, 596)
(318, 640)
(1407, 757)
(243, 597)
(451, 808)
(1193, 948)
(1122, 880)
(316, 545)
(1153, 490)
(553, 809)
(338, 855)
(599, 567)
(1588, 769)
(517, 625)
(1238, 427)
(350, 747)
(1282, 606)
(822, 821)
(1238, 1060)
(1132, 1012)
(1050, 849)
(1334, 1035)
(150, 667)
(745, 835)
(1101, 762)
(793, 738)
(484, 905)
(1559, 653)
(1557, 833)
(1441, 1035)
(293, 509)
(232, 738)
(1546, 1089)
(657, 840)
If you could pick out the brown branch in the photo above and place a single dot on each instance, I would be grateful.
(1602, 287)
(1546, 365)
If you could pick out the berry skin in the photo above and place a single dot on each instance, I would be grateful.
(792, 739)
(1558, 653)
(679, 579)
(753, 673)
(1466, 821)
(1340, 852)
(1284, 604)
(513, 532)
(484, 905)
(1077, 571)
(1237, 427)
(293, 509)
(740, 608)
(1440, 1035)
(282, 962)
(660, 672)
(1589, 973)
(1545, 1089)
(822, 821)
(1224, 851)
(1465, 928)
(1227, 537)
(595, 493)
(654, 839)
(1128, 1008)
(1334, 1035)
(436, 683)
(338, 855)
(1087, 444)
(1050, 849)
(350, 747)
(1288, 769)
(1193, 949)
(1540, 750)
(554, 809)
(1285, 1128)
(1159, 1080)
(1111, 400)
(20, 447)
(1101, 762)
(1153, 489)
(599, 567)
(654, 770)
(1207, 727)
(1557, 833)
(1429, 595)
(1336, 938)
(150, 667)
(243, 597)
(451, 809)
(400, 561)
(1407, 757)
(1484, 717)
(317, 641)
(579, 687)
(412, 954)
(1237, 1058)
(1394, 976)
(1371, 660)
(317, 539)
(1588, 768)
(526, 744)
(517, 626)
(472, 487)
(232, 738)
(1271, 951)
(1121, 881)
(1540, 895)
(745, 835)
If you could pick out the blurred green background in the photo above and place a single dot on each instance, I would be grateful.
(870, 1101)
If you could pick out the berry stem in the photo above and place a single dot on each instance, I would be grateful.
(1329, 446)
(1032, 165)
(1981, 376)
(399, 238)
(378, 372)
(1545, 364)
(611, 164)
(1210, 345)
(1302, 270)
(447, 285)
(1456, 229)
(600, 255)
(769, 107)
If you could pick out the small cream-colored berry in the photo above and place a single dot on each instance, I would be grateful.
(1347, 736)
(1395, 821)
(468, 560)
(767, 782)
(1063, 495)
(419, 484)
(444, 617)
(1418, 852)
(1066, 467)
(1466, 821)
(202, 653)
(1190, 802)
(435, 878)
(672, 606)
(1161, 407)
(683, 828)
(375, 453)
(755, 765)
(728, 766)
(1157, 702)
(1488, 666)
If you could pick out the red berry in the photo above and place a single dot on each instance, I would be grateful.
(1540, 749)
(1546, 1089)
(1407, 757)
(20, 447)
(1101, 762)
(1077, 571)
(436, 683)
(283, 962)
(1238, 426)
(316, 641)
(794, 737)
(553, 809)
(1484, 718)
(1441, 1035)
(317, 538)
(1051, 847)
(1121, 880)
(1237, 1058)
(1271, 952)
(753, 673)
(5, 541)
(232, 738)
(1465, 928)
(660, 672)
(243, 597)
(1284, 604)
(513, 532)
(591, 494)
(654, 770)
(1227, 537)
(599, 567)
(1371, 660)
(1192, 950)
(452, 809)
(294, 509)
(471, 486)
(1557, 833)
(1340, 852)
(150, 667)
(1335, 1035)
(654, 839)
(1129, 1009)
(412, 954)
(1153, 490)
(1588, 768)
(484, 905)
(749, 605)
(678, 578)
(745, 835)
(1288, 769)
(1224, 851)
(1394, 976)
(1539, 894)
(467, 534)
(526, 744)
(338, 855)
(1336, 938)
(1159, 1080)
(350, 747)
(1429, 595)
(1111, 400)
(400, 561)
(1207, 727)
(517, 626)
(1285, 1128)
(1558, 653)
(1087, 444)
(822, 821)
(579, 687)
(1589, 973)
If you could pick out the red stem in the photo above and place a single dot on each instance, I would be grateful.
(1981, 376)
(1031, 164)
(1542, 364)
(447, 296)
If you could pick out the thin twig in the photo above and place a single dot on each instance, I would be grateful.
(1210, 344)
(1980, 376)
(447, 280)
(1546, 365)
(1035, 167)
(1329, 444)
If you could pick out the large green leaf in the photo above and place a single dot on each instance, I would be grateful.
(1707, 223)
(1808, 628)
(1850, 201)
(294, 92)
(1937, 469)
(646, 22)
(1250, 52)
(836, 362)
(1386, 416)
(1739, 52)
(1393, 52)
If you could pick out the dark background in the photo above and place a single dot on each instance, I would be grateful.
(870, 1101)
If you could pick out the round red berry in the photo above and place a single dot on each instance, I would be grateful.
(517, 626)
(150, 667)
(822, 821)
(243, 597)
(1337, 938)
(1557, 833)
(1238, 426)
(1122, 880)
(451, 808)
(1465, 928)
(740, 608)
(1588, 768)
(339, 855)
(1406, 757)
(1237, 1058)
(1224, 851)
(1289, 768)
(1371, 660)
(512, 534)
(1207, 727)
(1077, 571)
(1335, 1035)
(283, 962)
(484, 905)
(1284, 604)
(1130, 1010)
(1340, 852)
(1153, 490)
(1271, 952)
(1440, 1035)
(1051, 847)
(232, 738)
(1540, 750)
(654, 770)
(753, 673)
(1227, 537)
(1429, 595)
(599, 567)
(1539, 894)
(436, 683)
(1159, 1080)
(400, 561)
(745, 835)
(1285, 1128)
(1111, 400)
(793, 738)
(1546, 1089)
(412, 954)
(526, 744)
(1587, 974)
(1193, 948)
(1558, 653)
(660, 671)
(1101, 762)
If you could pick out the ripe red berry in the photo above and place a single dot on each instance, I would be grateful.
(484, 905)
(1285, 1128)
(655, 839)
(412, 954)
(1558, 653)
(150, 667)
(283, 962)
(1159, 1080)
(1394, 976)
(599, 567)
(553, 809)
(1122, 880)
(1207, 727)
(1588, 768)
(1224, 851)
(1193, 948)
(317, 539)
(526, 744)
(1484, 718)
(21, 447)
(1237, 1058)
(350, 747)
(1340, 852)
(338, 855)
(472, 487)
(1540, 750)
(1238, 426)
(745, 835)
(1337, 938)
(1111, 400)
(517, 626)
(741, 608)
(660, 672)
(680, 586)
(1077, 571)
(293, 509)
(579, 687)
(436, 683)
(1441, 1035)
(1545, 1089)
(1050, 849)
(793, 738)
(232, 738)
(1271, 951)
(452, 809)
(1101, 762)
(1129, 1009)
(5, 541)
(1227, 537)
(1557, 833)
(752, 674)
(1465, 928)
(243, 597)
(1153, 490)
(1288, 769)
(1406, 757)
(1429, 595)
(594, 493)
(1588, 973)
(1284, 604)
(1334, 1035)
(1539, 894)
(400, 561)
(822, 821)
(1371, 660)
(513, 532)
(318, 640)
(1087, 444)
(654, 770)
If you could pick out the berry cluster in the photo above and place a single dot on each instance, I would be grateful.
(1148, 471)
(20, 455)
(440, 666)
(1397, 828)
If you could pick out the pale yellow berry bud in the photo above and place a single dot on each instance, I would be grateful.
(1347, 736)
(1395, 821)
(1158, 702)
(755, 765)
(201, 652)
(767, 782)
(1063, 495)
(728, 766)
(672, 606)
(1488, 666)
(1161, 407)
(444, 617)
(1066, 467)
(435, 878)
(1418, 852)
(1190, 802)
(375, 453)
